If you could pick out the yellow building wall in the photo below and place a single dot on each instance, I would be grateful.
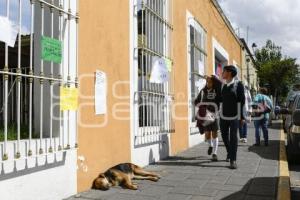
(208, 16)
(103, 45)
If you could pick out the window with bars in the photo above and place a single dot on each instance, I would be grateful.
(197, 61)
(30, 84)
(154, 42)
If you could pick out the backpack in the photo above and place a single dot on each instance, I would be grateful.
(204, 116)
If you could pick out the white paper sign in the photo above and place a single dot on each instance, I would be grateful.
(201, 67)
(159, 73)
(100, 92)
(9, 31)
(200, 84)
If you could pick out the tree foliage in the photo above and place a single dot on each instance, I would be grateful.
(276, 72)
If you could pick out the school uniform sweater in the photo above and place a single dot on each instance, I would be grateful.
(232, 98)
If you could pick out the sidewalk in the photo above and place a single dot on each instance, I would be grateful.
(192, 176)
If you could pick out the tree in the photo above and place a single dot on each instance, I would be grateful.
(276, 72)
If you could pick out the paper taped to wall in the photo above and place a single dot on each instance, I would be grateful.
(100, 93)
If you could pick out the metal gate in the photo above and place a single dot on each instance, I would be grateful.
(197, 68)
(30, 85)
(155, 100)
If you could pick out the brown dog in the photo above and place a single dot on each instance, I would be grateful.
(122, 175)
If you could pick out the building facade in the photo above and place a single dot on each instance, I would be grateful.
(133, 119)
(146, 121)
(249, 71)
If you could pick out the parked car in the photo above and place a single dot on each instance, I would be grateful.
(292, 127)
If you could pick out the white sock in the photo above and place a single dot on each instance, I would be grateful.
(210, 143)
(215, 145)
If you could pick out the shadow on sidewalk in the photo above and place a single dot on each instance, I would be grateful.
(256, 188)
(270, 152)
(276, 125)
(200, 161)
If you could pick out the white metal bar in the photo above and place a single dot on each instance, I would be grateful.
(41, 77)
(149, 101)
(69, 67)
(76, 70)
(51, 86)
(143, 67)
(34, 156)
(41, 83)
(60, 18)
(5, 155)
(60, 9)
(17, 155)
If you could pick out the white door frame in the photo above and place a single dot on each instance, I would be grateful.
(150, 152)
(194, 135)
(216, 46)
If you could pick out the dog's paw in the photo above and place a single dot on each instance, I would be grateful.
(134, 187)
(154, 179)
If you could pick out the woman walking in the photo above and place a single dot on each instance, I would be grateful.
(207, 121)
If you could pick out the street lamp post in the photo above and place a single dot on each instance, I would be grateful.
(248, 74)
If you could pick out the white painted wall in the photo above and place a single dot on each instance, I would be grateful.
(40, 177)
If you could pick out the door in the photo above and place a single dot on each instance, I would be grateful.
(196, 69)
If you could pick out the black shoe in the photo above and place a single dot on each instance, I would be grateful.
(266, 143)
(227, 158)
(214, 158)
(209, 151)
(233, 165)
(257, 144)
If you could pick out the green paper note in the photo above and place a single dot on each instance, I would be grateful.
(51, 49)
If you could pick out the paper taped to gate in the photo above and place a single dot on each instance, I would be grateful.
(9, 31)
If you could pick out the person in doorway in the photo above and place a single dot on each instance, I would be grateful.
(262, 107)
(208, 103)
(231, 115)
(247, 113)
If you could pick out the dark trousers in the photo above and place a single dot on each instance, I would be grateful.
(229, 136)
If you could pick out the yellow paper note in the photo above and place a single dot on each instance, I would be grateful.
(68, 98)
(168, 64)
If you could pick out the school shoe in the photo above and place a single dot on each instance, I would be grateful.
(233, 165)
(209, 151)
(257, 144)
(214, 158)
(227, 158)
(266, 143)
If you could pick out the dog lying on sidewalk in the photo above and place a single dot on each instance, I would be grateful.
(122, 175)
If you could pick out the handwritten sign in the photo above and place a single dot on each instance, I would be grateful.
(51, 49)
(100, 93)
(159, 72)
(68, 98)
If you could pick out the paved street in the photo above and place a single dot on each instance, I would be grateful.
(295, 180)
(191, 175)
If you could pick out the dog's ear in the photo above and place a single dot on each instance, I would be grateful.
(101, 175)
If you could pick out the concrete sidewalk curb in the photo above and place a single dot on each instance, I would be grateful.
(283, 188)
